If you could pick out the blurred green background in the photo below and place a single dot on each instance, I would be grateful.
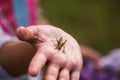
(95, 23)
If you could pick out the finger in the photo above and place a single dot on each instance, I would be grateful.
(37, 63)
(24, 33)
(75, 75)
(64, 75)
(52, 72)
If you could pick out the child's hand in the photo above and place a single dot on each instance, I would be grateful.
(55, 47)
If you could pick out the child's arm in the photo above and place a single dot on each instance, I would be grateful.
(15, 57)
(90, 53)
(52, 45)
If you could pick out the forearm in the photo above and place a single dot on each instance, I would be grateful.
(15, 57)
(90, 53)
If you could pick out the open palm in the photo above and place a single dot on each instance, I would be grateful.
(55, 47)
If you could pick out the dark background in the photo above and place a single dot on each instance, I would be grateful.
(95, 23)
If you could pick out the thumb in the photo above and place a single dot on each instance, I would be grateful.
(24, 34)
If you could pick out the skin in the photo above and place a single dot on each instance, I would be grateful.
(60, 66)
(15, 57)
(90, 53)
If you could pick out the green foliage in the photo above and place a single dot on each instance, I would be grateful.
(92, 22)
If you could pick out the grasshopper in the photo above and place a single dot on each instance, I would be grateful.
(60, 44)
